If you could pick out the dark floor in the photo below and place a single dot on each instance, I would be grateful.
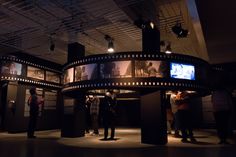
(49, 144)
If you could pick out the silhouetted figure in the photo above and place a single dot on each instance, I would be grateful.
(184, 115)
(87, 114)
(109, 114)
(94, 113)
(33, 103)
(169, 114)
(174, 109)
(221, 101)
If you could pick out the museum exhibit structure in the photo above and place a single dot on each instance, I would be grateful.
(149, 73)
(19, 73)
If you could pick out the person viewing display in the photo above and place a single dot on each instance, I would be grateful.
(94, 113)
(109, 114)
(87, 114)
(174, 109)
(185, 122)
(34, 103)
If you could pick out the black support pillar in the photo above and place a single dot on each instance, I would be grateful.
(151, 40)
(75, 51)
(73, 124)
(153, 118)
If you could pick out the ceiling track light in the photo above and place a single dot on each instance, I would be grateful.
(168, 48)
(140, 23)
(110, 47)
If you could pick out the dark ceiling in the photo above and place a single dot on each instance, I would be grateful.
(30, 25)
(219, 28)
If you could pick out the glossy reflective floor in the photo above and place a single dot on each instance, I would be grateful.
(50, 144)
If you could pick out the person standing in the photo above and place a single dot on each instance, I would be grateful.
(87, 114)
(221, 102)
(109, 114)
(94, 113)
(174, 110)
(184, 115)
(33, 103)
(169, 114)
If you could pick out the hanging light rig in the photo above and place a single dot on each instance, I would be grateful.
(52, 44)
(179, 31)
(110, 47)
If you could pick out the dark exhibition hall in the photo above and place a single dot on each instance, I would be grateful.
(118, 78)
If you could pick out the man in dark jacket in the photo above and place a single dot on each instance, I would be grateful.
(34, 111)
(109, 114)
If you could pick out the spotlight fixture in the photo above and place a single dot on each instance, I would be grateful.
(140, 23)
(162, 46)
(165, 46)
(168, 52)
(110, 48)
(179, 31)
(152, 25)
(168, 48)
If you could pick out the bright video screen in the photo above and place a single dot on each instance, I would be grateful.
(182, 71)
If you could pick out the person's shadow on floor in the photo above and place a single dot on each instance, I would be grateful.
(109, 139)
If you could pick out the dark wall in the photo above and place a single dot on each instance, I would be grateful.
(75, 52)
(74, 117)
(153, 117)
(3, 96)
(150, 40)
(196, 112)
(128, 113)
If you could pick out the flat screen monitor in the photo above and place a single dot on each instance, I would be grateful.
(182, 71)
